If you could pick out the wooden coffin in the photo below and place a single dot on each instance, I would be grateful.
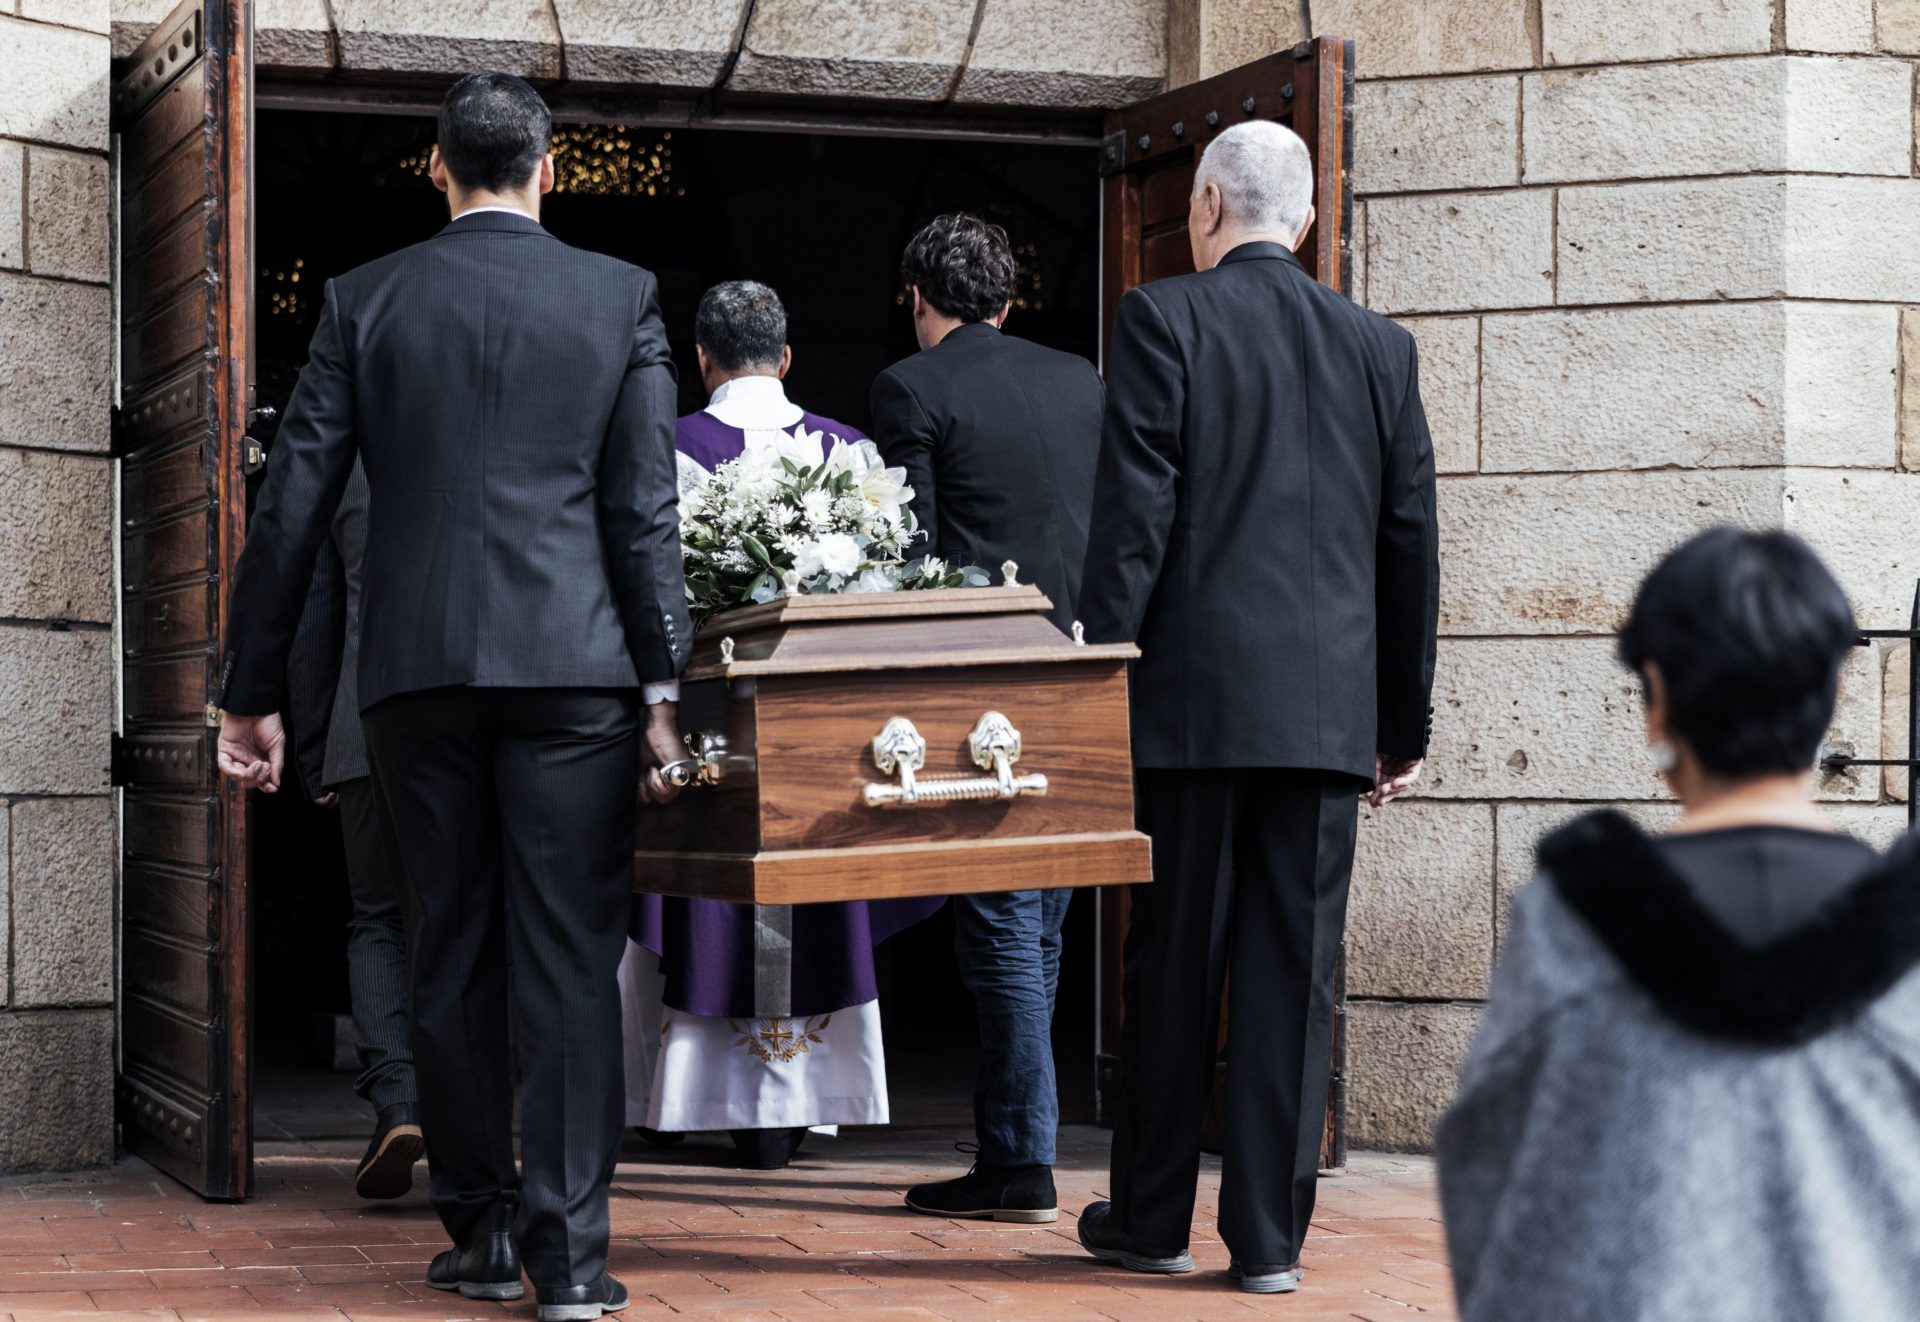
(782, 705)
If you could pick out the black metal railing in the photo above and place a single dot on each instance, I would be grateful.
(1843, 762)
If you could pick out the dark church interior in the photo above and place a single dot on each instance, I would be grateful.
(821, 218)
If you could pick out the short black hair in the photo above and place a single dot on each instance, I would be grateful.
(741, 324)
(961, 264)
(1749, 631)
(494, 128)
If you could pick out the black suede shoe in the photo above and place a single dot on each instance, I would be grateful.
(485, 1267)
(1104, 1240)
(580, 1303)
(1022, 1194)
(387, 1169)
(767, 1149)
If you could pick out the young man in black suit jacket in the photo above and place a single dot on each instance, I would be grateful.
(513, 402)
(999, 438)
(1264, 528)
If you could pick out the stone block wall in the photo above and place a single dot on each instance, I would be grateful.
(1659, 256)
(1037, 53)
(58, 855)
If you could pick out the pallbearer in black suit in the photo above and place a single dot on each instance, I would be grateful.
(513, 402)
(999, 438)
(998, 435)
(324, 704)
(1263, 526)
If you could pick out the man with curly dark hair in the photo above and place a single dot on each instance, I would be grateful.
(999, 437)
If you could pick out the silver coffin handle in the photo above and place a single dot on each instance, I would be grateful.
(899, 750)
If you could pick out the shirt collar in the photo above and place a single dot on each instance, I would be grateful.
(754, 403)
(511, 211)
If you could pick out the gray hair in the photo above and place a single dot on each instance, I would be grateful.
(741, 324)
(1264, 175)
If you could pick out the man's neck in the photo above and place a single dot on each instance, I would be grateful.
(734, 383)
(938, 328)
(481, 200)
(1231, 239)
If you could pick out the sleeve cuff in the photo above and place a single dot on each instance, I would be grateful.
(666, 691)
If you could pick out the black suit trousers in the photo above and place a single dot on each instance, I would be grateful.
(515, 814)
(1250, 891)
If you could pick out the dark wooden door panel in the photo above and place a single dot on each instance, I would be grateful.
(171, 900)
(180, 110)
(165, 620)
(171, 968)
(161, 554)
(169, 831)
(1152, 148)
(168, 479)
(1147, 160)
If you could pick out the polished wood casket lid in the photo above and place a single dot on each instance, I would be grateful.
(888, 631)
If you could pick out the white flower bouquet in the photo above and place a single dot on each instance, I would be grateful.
(792, 516)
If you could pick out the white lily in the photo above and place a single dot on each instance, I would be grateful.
(886, 490)
(804, 448)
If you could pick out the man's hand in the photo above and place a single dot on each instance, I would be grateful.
(253, 750)
(1392, 777)
(659, 745)
(327, 800)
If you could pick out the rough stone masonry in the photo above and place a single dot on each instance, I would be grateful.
(1662, 257)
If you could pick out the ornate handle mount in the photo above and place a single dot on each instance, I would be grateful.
(711, 763)
(899, 750)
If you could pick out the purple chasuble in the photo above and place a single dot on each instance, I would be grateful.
(710, 442)
(706, 946)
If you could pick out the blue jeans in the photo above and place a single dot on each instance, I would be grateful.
(1009, 949)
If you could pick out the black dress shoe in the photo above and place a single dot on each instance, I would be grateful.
(1022, 1194)
(580, 1303)
(658, 1138)
(1105, 1241)
(767, 1149)
(387, 1169)
(486, 1266)
(1256, 1279)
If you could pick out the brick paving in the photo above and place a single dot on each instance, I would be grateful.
(693, 1236)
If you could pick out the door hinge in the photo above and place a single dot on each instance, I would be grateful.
(1113, 153)
(117, 759)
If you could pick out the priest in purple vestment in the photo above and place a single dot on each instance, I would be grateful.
(698, 1056)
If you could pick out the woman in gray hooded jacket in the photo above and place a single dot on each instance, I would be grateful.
(1695, 1092)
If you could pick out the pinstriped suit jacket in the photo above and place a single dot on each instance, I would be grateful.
(512, 400)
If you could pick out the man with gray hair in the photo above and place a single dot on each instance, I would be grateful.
(1263, 526)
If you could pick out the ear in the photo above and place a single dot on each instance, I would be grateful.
(1656, 697)
(1000, 318)
(786, 361)
(437, 170)
(1212, 207)
(919, 304)
(700, 357)
(546, 174)
(1305, 225)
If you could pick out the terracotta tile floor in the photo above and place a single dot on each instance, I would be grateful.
(692, 1236)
